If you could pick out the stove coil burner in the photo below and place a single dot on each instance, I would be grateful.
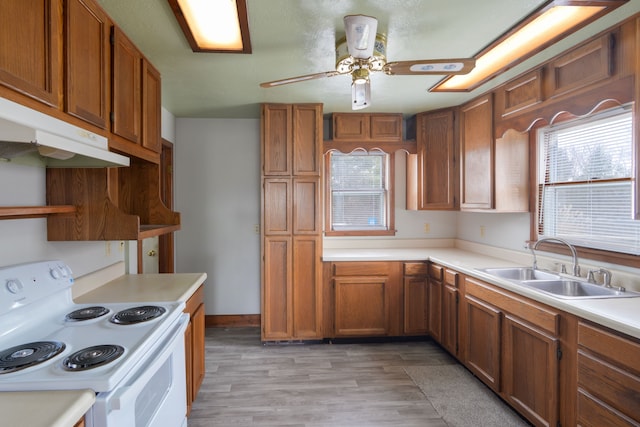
(26, 355)
(87, 313)
(92, 357)
(134, 315)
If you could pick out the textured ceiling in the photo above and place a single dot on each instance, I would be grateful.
(295, 37)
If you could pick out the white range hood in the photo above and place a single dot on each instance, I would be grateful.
(25, 132)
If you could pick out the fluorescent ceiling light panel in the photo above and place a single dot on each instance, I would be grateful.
(214, 25)
(545, 27)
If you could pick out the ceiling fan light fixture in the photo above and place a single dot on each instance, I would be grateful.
(547, 25)
(361, 35)
(360, 94)
(214, 25)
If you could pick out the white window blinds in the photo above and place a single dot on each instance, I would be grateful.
(358, 191)
(586, 172)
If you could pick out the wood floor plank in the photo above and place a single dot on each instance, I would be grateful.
(313, 385)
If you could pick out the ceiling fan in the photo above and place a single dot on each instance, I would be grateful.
(363, 51)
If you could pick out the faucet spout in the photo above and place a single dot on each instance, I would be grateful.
(574, 253)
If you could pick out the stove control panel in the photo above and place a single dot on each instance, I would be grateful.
(27, 283)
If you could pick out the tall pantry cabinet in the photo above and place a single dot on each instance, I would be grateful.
(291, 233)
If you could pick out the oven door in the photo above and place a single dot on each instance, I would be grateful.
(154, 395)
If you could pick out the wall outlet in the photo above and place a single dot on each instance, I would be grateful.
(482, 231)
(427, 228)
(256, 228)
(121, 246)
(107, 248)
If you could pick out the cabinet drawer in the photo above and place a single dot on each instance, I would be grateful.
(359, 268)
(612, 385)
(615, 348)
(593, 413)
(435, 271)
(527, 310)
(451, 278)
(415, 269)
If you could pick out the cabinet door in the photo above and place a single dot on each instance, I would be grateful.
(450, 319)
(126, 81)
(30, 49)
(276, 196)
(306, 287)
(306, 206)
(87, 85)
(416, 305)
(386, 127)
(436, 161)
(512, 175)
(276, 139)
(307, 139)
(276, 302)
(476, 154)
(435, 309)
(482, 346)
(350, 127)
(151, 108)
(361, 306)
(530, 371)
(198, 352)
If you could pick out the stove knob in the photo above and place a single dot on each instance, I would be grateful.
(66, 271)
(55, 273)
(14, 286)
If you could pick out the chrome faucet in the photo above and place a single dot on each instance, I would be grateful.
(606, 277)
(574, 254)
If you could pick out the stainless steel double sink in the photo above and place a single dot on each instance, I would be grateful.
(557, 285)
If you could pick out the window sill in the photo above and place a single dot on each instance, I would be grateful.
(361, 233)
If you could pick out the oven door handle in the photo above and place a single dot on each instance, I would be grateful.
(127, 393)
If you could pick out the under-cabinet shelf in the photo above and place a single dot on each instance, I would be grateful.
(23, 212)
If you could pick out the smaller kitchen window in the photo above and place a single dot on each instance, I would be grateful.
(586, 182)
(358, 197)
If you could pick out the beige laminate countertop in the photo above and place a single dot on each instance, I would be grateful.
(145, 288)
(620, 314)
(64, 408)
(45, 408)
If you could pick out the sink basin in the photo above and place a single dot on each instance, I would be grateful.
(566, 288)
(520, 273)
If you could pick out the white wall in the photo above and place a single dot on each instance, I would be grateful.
(504, 230)
(217, 187)
(25, 240)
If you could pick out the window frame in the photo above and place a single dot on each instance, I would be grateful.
(590, 253)
(389, 205)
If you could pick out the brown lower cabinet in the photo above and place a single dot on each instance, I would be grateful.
(194, 345)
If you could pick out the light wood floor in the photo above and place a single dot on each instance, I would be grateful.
(248, 384)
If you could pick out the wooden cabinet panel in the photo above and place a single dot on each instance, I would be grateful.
(194, 345)
(307, 139)
(450, 312)
(483, 340)
(277, 293)
(608, 377)
(276, 206)
(364, 127)
(354, 317)
(87, 59)
(476, 154)
(581, 67)
(530, 371)
(31, 49)
(435, 291)
(437, 182)
(416, 305)
(151, 108)
(306, 288)
(276, 139)
(306, 206)
(126, 81)
(415, 268)
(386, 127)
(519, 94)
(362, 268)
(512, 172)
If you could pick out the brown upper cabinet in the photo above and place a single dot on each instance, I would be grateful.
(432, 181)
(476, 154)
(87, 62)
(126, 78)
(367, 127)
(31, 50)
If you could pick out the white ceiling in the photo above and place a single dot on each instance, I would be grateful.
(296, 37)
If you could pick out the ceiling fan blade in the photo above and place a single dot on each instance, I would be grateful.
(431, 66)
(300, 79)
(361, 35)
